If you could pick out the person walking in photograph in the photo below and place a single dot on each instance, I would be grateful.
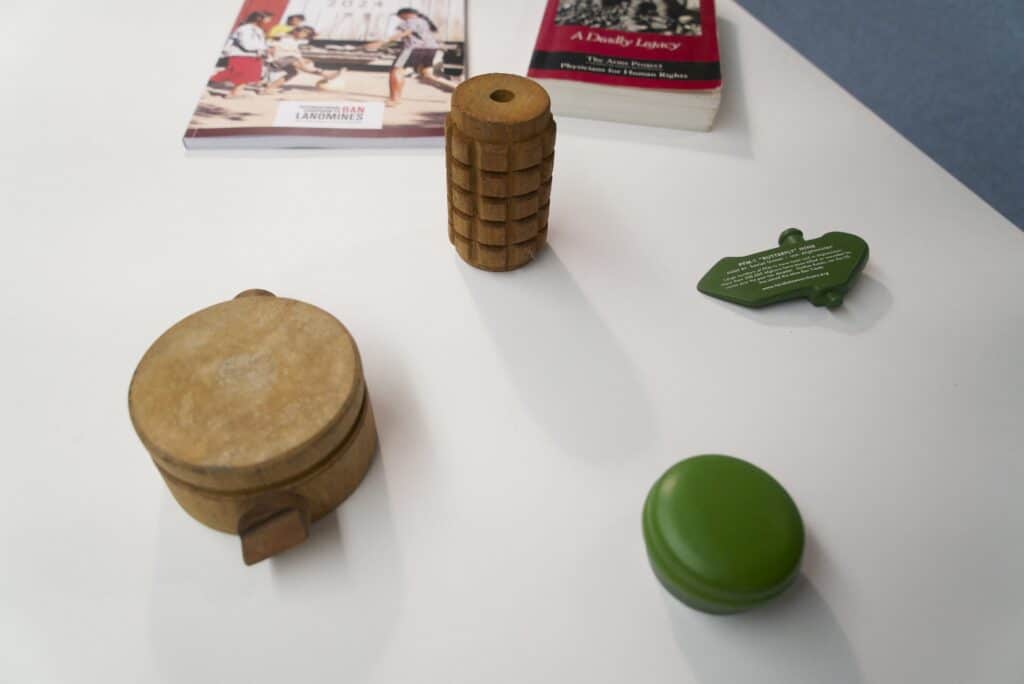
(419, 50)
(244, 50)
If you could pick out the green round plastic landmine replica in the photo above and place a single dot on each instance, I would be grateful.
(722, 535)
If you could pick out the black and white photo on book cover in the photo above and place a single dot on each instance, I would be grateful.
(335, 68)
(665, 17)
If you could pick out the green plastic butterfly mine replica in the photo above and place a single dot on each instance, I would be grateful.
(822, 270)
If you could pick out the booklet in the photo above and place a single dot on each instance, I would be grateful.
(324, 73)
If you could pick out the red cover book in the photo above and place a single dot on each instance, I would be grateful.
(656, 44)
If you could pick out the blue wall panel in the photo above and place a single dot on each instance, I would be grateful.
(947, 74)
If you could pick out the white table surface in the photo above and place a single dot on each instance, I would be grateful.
(522, 416)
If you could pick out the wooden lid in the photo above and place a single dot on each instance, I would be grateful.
(501, 108)
(248, 393)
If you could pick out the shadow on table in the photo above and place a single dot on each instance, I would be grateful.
(334, 598)
(731, 133)
(793, 640)
(573, 377)
(864, 306)
(338, 543)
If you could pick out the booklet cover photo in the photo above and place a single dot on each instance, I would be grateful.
(333, 73)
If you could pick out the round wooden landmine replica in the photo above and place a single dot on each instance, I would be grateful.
(500, 141)
(256, 414)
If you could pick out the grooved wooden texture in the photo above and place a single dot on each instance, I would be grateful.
(252, 402)
(500, 150)
(323, 489)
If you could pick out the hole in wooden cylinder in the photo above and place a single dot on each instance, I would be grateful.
(502, 95)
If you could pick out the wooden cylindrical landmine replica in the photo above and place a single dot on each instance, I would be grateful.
(256, 414)
(500, 141)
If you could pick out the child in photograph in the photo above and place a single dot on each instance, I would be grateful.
(244, 50)
(419, 51)
(286, 56)
(293, 22)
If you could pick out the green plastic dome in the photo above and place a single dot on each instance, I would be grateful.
(722, 535)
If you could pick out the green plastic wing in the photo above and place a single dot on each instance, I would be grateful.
(822, 270)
